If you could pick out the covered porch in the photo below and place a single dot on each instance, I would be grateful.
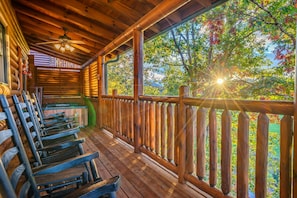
(177, 146)
(141, 177)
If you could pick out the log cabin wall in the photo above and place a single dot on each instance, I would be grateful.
(16, 62)
(90, 92)
(16, 54)
(59, 85)
(16, 50)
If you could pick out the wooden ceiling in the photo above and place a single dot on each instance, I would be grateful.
(95, 22)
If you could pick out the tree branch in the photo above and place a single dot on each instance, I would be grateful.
(276, 23)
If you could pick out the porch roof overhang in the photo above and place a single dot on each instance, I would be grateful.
(104, 26)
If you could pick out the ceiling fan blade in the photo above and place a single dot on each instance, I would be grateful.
(47, 42)
(81, 48)
(76, 42)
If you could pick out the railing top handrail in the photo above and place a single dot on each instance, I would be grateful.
(169, 99)
(118, 97)
(273, 107)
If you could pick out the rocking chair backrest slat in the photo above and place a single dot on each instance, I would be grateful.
(21, 176)
(30, 130)
(3, 116)
(37, 105)
(6, 188)
(33, 110)
(4, 135)
(8, 155)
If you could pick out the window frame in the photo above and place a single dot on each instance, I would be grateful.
(4, 57)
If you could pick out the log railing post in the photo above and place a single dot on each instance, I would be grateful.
(242, 155)
(226, 152)
(286, 156)
(114, 112)
(213, 144)
(138, 85)
(183, 92)
(262, 155)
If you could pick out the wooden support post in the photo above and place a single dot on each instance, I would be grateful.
(138, 85)
(183, 92)
(295, 128)
(101, 88)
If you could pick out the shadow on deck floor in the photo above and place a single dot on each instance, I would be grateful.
(141, 177)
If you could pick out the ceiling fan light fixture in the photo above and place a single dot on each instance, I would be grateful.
(62, 49)
(67, 46)
(57, 46)
(71, 49)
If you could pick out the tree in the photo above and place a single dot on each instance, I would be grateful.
(231, 41)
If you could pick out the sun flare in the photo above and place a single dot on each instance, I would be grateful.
(220, 81)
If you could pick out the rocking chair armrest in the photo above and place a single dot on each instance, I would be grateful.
(54, 115)
(98, 189)
(62, 145)
(66, 164)
(56, 125)
(64, 133)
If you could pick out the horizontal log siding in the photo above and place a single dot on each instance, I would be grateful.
(17, 49)
(58, 82)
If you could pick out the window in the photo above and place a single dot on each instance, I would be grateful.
(3, 57)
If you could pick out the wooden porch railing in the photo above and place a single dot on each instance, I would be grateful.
(198, 139)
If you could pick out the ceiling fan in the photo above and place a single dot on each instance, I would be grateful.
(64, 43)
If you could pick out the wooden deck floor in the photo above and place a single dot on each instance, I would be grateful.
(140, 176)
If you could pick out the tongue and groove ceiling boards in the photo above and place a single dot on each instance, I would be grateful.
(94, 22)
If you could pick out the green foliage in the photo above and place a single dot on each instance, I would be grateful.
(120, 75)
(231, 42)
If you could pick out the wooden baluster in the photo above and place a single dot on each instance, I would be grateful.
(189, 140)
(152, 127)
(158, 126)
(201, 132)
(261, 155)
(142, 129)
(176, 137)
(286, 156)
(127, 119)
(170, 130)
(163, 131)
(213, 145)
(109, 115)
(124, 124)
(120, 117)
(131, 120)
(137, 125)
(124, 116)
(183, 92)
(243, 155)
(114, 112)
(130, 114)
(104, 112)
(147, 125)
(226, 152)
(117, 121)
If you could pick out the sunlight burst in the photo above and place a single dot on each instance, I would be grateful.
(220, 81)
